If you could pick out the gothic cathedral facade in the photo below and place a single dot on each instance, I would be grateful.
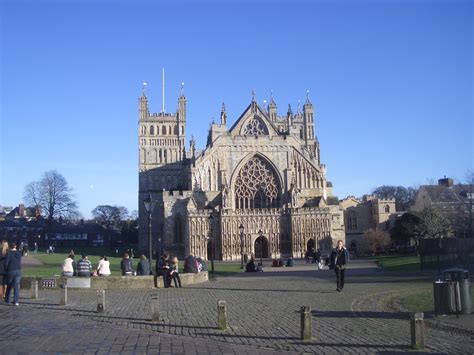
(257, 188)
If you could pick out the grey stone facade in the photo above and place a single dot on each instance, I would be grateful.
(263, 173)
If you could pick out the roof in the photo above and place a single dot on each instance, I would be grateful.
(444, 194)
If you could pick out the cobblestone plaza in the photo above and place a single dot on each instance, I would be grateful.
(263, 317)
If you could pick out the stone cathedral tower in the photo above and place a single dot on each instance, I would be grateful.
(263, 174)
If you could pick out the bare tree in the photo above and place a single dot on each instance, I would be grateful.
(377, 239)
(110, 217)
(404, 196)
(52, 195)
(433, 224)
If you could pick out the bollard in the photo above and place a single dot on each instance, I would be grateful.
(417, 331)
(155, 309)
(100, 301)
(34, 289)
(63, 300)
(222, 315)
(306, 323)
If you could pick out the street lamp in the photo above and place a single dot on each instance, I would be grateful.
(149, 206)
(260, 235)
(241, 230)
(211, 240)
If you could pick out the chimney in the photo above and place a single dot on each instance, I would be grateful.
(446, 182)
(21, 210)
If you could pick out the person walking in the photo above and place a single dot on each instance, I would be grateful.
(126, 265)
(339, 260)
(3, 273)
(84, 266)
(13, 269)
(143, 267)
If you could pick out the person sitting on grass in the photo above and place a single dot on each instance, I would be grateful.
(69, 266)
(84, 267)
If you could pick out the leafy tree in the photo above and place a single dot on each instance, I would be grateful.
(377, 239)
(404, 196)
(405, 228)
(130, 231)
(53, 196)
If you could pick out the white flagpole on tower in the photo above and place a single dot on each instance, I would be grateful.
(163, 90)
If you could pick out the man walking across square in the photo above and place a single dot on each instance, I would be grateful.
(339, 260)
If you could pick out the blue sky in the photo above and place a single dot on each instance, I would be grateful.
(391, 82)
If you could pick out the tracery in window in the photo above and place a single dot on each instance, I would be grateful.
(255, 127)
(257, 186)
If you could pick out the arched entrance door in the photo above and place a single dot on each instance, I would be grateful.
(310, 245)
(261, 247)
(210, 250)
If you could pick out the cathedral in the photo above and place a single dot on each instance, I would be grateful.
(257, 188)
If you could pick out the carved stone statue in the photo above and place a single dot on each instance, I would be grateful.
(225, 196)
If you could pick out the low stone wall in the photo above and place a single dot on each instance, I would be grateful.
(111, 282)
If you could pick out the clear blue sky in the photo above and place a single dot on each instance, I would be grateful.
(391, 82)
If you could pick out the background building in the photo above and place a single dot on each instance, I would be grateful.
(263, 173)
(362, 215)
(452, 201)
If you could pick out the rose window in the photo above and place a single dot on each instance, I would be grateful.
(256, 186)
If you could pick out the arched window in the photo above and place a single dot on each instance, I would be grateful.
(152, 130)
(352, 221)
(143, 130)
(387, 209)
(257, 185)
(163, 130)
(169, 130)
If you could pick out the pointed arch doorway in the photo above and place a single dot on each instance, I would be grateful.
(261, 247)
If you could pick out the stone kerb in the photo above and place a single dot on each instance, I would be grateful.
(113, 282)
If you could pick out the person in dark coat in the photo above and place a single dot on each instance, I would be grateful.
(143, 267)
(126, 265)
(250, 267)
(13, 270)
(339, 260)
(3, 273)
(163, 269)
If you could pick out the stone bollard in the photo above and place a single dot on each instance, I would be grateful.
(34, 289)
(417, 331)
(306, 323)
(155, 309)
(222, 315)
(63, 300)
(100, 301)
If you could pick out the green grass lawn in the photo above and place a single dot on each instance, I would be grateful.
(52, 264)
(422, 301)
(399, 263)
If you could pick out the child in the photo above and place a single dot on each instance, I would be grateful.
(174, 274)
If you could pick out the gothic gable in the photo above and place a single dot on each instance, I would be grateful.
(253, 122)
